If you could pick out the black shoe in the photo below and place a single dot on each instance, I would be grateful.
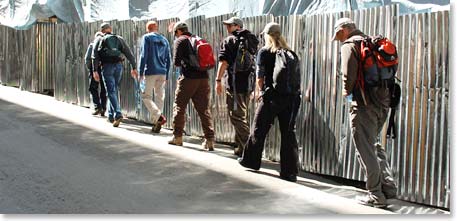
(96, 112)
(117, 121)
(242, 163)
(156, 128)
(290, 177)
(158, 125)
(102, 113)
(110, 120)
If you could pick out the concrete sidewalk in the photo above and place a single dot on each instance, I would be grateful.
(132, 169)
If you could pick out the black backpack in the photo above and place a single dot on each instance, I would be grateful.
(246, 50)
(110, 46)
(286, 73)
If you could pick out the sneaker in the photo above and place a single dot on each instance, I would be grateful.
(238, 151)
(176, 141)
(373, 201)
(162, 120)
(158, 125)
(96, 112)
(156, 128)
(117, 121)
(208, 144)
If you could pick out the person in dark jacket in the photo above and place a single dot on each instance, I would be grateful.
(112, 68)
(368, 112)
(192, 84)
(273, 104)
(237, 80)
(99, 99)
(154, 68)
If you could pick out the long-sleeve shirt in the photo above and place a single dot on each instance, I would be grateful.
(124, 49)
(181, 50)
(88, 57)
(350, 60)
(154, 55)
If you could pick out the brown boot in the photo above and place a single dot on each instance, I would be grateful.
(208, 144)
(176, 141)
(238, 151)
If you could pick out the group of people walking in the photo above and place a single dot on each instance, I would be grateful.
(268, 74)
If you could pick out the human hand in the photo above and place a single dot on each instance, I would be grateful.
(218, 87)
(96, 76)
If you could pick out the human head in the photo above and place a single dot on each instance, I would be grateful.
(233, 24)
(152, 26)
(273, 38)
(343, 27)
(179, 28)
(106, 28)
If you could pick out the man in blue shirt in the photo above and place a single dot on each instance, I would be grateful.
(154, 67)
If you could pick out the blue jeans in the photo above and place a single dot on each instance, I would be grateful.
(112, 75)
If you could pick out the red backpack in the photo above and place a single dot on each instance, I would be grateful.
(203, 58)
(379, 59)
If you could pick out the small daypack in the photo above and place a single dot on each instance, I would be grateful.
(286, 73)
(246, 50)
(110, 46)
(202, 58)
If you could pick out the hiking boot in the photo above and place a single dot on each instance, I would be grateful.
(373, 201)
(158, 125)
(176, 141)
(117, 121)
(208, 144)
(96, 112)
(238, 151)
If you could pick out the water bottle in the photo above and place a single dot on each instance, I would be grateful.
(349, 98)
(142, 85)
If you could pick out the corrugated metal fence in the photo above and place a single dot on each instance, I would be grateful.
(51, 57)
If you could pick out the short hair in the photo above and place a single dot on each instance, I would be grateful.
(184, 29)
(151, 25)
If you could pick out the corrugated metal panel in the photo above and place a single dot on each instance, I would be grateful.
(51, 57)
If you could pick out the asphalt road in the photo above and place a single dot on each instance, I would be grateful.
(56, 158)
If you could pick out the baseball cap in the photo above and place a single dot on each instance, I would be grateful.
(104, 25)
(234, 20)
(339, 25)
(272, 27)
(179, 25)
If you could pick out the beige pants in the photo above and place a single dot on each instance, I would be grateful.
(156, 84)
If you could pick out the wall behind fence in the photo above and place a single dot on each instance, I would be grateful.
(51, 57)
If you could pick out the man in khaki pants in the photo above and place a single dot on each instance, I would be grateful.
(368, 111)
(154, 67)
